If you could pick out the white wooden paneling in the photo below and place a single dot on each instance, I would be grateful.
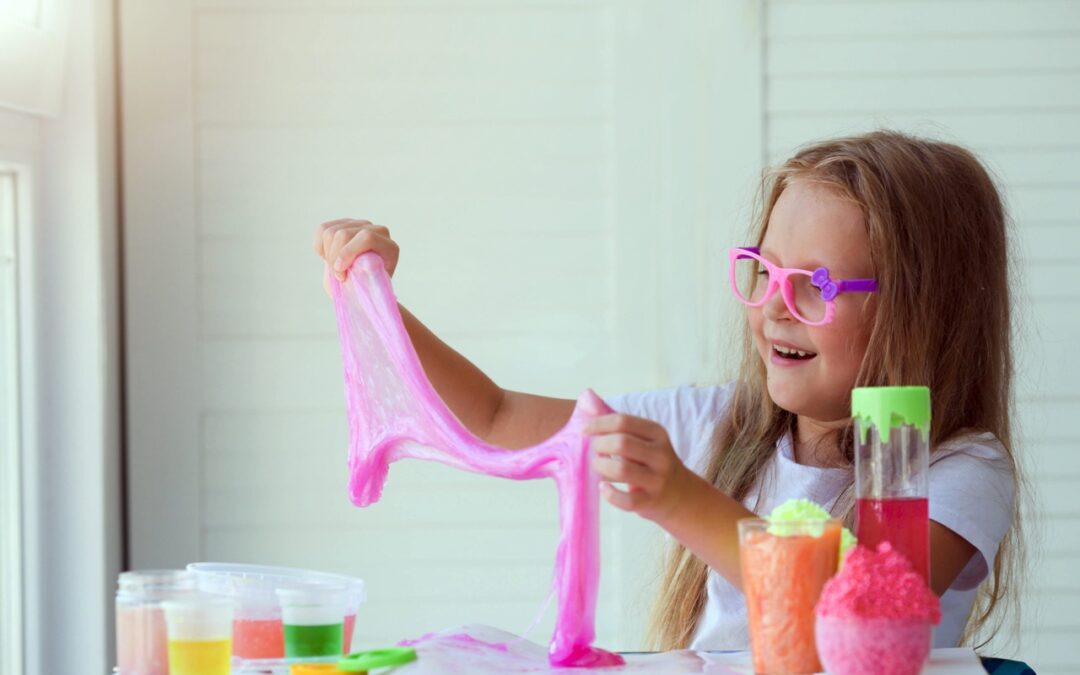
(559, 180)
(1002, 78)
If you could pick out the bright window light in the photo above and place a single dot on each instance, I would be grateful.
(21, 11)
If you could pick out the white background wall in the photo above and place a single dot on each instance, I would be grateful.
(1004, 79)
(551, 185)
(63, 146)
(562, 177)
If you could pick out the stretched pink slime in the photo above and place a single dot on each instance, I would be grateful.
(394, 413)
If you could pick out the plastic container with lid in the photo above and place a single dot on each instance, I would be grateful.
(258, 631)
(892, 469)
(141, 637)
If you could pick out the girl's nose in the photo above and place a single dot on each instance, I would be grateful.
(775, 309)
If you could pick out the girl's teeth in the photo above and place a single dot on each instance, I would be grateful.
(791, 352)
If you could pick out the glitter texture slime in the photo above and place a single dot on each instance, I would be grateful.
(784, 567)
(876, 615)
(394, 413)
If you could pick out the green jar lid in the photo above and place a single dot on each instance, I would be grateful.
(888, 407)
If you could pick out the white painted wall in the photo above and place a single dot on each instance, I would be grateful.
(557, 192)
(1002, 78)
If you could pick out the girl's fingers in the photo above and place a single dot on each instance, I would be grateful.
(318, 244)
(338, 239)
(368, 239)
(617, 471)
(623, 445)
(331, 229)
(626, 424)
(627, 501)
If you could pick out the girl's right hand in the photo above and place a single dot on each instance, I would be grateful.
(340, 241)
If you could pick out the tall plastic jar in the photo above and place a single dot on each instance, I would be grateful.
(892, 461)
(141, 641)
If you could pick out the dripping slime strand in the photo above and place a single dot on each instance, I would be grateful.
(394, 413)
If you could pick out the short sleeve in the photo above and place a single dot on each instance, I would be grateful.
(688, 413)
(972, 493)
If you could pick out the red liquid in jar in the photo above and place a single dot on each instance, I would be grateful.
(258, 638)
(349, 627)
(904, 523)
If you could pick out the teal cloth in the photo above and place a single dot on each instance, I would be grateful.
(1005, 667)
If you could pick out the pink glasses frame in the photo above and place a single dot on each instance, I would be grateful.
(778, 280)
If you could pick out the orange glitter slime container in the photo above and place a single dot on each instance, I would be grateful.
(784, 567)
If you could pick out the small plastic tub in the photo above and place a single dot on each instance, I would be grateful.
(258, 631)
(314, 619)
(200, 635)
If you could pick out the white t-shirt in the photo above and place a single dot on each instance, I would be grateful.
(971, 493)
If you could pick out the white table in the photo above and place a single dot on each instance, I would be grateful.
(490, 651)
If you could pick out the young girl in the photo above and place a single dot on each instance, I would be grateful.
(923, 220)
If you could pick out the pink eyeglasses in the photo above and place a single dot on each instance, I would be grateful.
(809, 296)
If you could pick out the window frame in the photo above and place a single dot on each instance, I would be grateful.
(19, 485)
(13, 450)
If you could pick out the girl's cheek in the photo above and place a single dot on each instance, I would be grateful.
(754, 318)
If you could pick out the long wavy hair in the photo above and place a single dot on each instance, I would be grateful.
(939, 248)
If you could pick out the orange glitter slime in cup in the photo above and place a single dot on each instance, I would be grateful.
(783, 571)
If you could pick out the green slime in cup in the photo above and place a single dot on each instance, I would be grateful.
(801, 510)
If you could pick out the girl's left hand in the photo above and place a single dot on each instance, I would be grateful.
(637, 451)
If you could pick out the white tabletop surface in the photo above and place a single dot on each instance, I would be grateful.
(487, 651)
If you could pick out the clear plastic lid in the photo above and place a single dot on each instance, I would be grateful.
(255, 586)
(154, 585)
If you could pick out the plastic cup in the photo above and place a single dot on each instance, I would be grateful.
(200, 635)
(141, 641)
(314, 619)
(783, 572)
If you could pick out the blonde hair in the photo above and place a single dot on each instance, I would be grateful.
(937, 232)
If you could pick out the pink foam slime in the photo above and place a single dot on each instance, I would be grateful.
(394, 413)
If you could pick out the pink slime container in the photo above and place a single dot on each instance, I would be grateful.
(876, 615)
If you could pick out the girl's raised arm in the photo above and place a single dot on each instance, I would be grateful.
(505, 418)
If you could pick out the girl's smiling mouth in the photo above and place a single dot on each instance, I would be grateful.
(786, 353)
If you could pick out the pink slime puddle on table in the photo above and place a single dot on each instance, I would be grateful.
(394, 413)
(461, 638)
